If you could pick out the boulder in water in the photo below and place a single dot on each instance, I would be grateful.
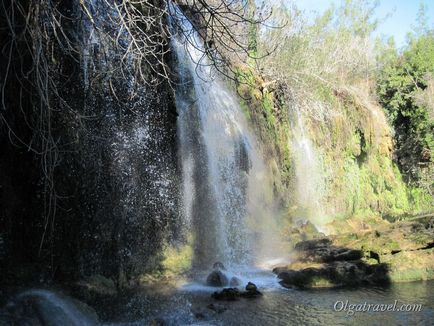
(217, 278)
(251, 291)
(335, 274)
(231, 294)
(251, 287)
(228, 294)
(235, 281)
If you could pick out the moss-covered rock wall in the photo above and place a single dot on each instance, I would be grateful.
(354, 146)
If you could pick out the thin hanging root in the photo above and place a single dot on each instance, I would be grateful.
(83, 5)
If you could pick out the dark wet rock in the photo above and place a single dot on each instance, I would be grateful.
(407, 247)
(231, 294)
(217, 278)
(336, 274)
(251, 287)
(227, 294)
(279, 269)
(302, 230)
(217, 308)
(312, 244)
(41, 307)
(251, 291)
(235, 281)
(322, 251)
(251, 294)
(390, 252)
(218, 265)
(319, 263)
(296, 278)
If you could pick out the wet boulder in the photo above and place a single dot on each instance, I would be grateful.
(322, 251)
(231, 294)
(235, 281)
(227, 294)
(251, 291)
(335, 274)
(217, 278)
(251, 287)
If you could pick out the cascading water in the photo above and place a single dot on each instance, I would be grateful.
(219, 160)
(309, 179)
(127, 144)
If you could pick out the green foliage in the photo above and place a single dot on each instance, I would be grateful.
(399, 85)
(421, 200)
(333, 49)
(267, 113)
(386, 52)
(327, 68)
(177, 260)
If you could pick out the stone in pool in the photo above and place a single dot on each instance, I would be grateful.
(217, 278)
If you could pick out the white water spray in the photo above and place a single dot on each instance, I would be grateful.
(309, 176)
(222, 170)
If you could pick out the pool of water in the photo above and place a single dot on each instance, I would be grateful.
(189, 304)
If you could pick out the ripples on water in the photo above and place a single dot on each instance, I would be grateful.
(280, 306)
(188, 304)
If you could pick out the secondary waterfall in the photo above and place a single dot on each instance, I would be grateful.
(219, 161)
(309, 179)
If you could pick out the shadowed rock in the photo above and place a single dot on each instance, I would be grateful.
(321, 251)
(336, 274)
(251, 291)
(320, 264)
(217, 278)
(231, 294)
(235, 281)
(228, 294)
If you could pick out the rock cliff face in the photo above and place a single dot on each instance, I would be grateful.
(89, 175)
(396, 252)
(348, 138)
(89, 169)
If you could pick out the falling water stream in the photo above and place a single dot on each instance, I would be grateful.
(220, 162)
(309, 177)
(227, 210)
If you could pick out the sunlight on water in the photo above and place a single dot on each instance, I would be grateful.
(224, 175)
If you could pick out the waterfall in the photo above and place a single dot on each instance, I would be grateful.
(127, 143)
(309, 178)
(219, 161)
